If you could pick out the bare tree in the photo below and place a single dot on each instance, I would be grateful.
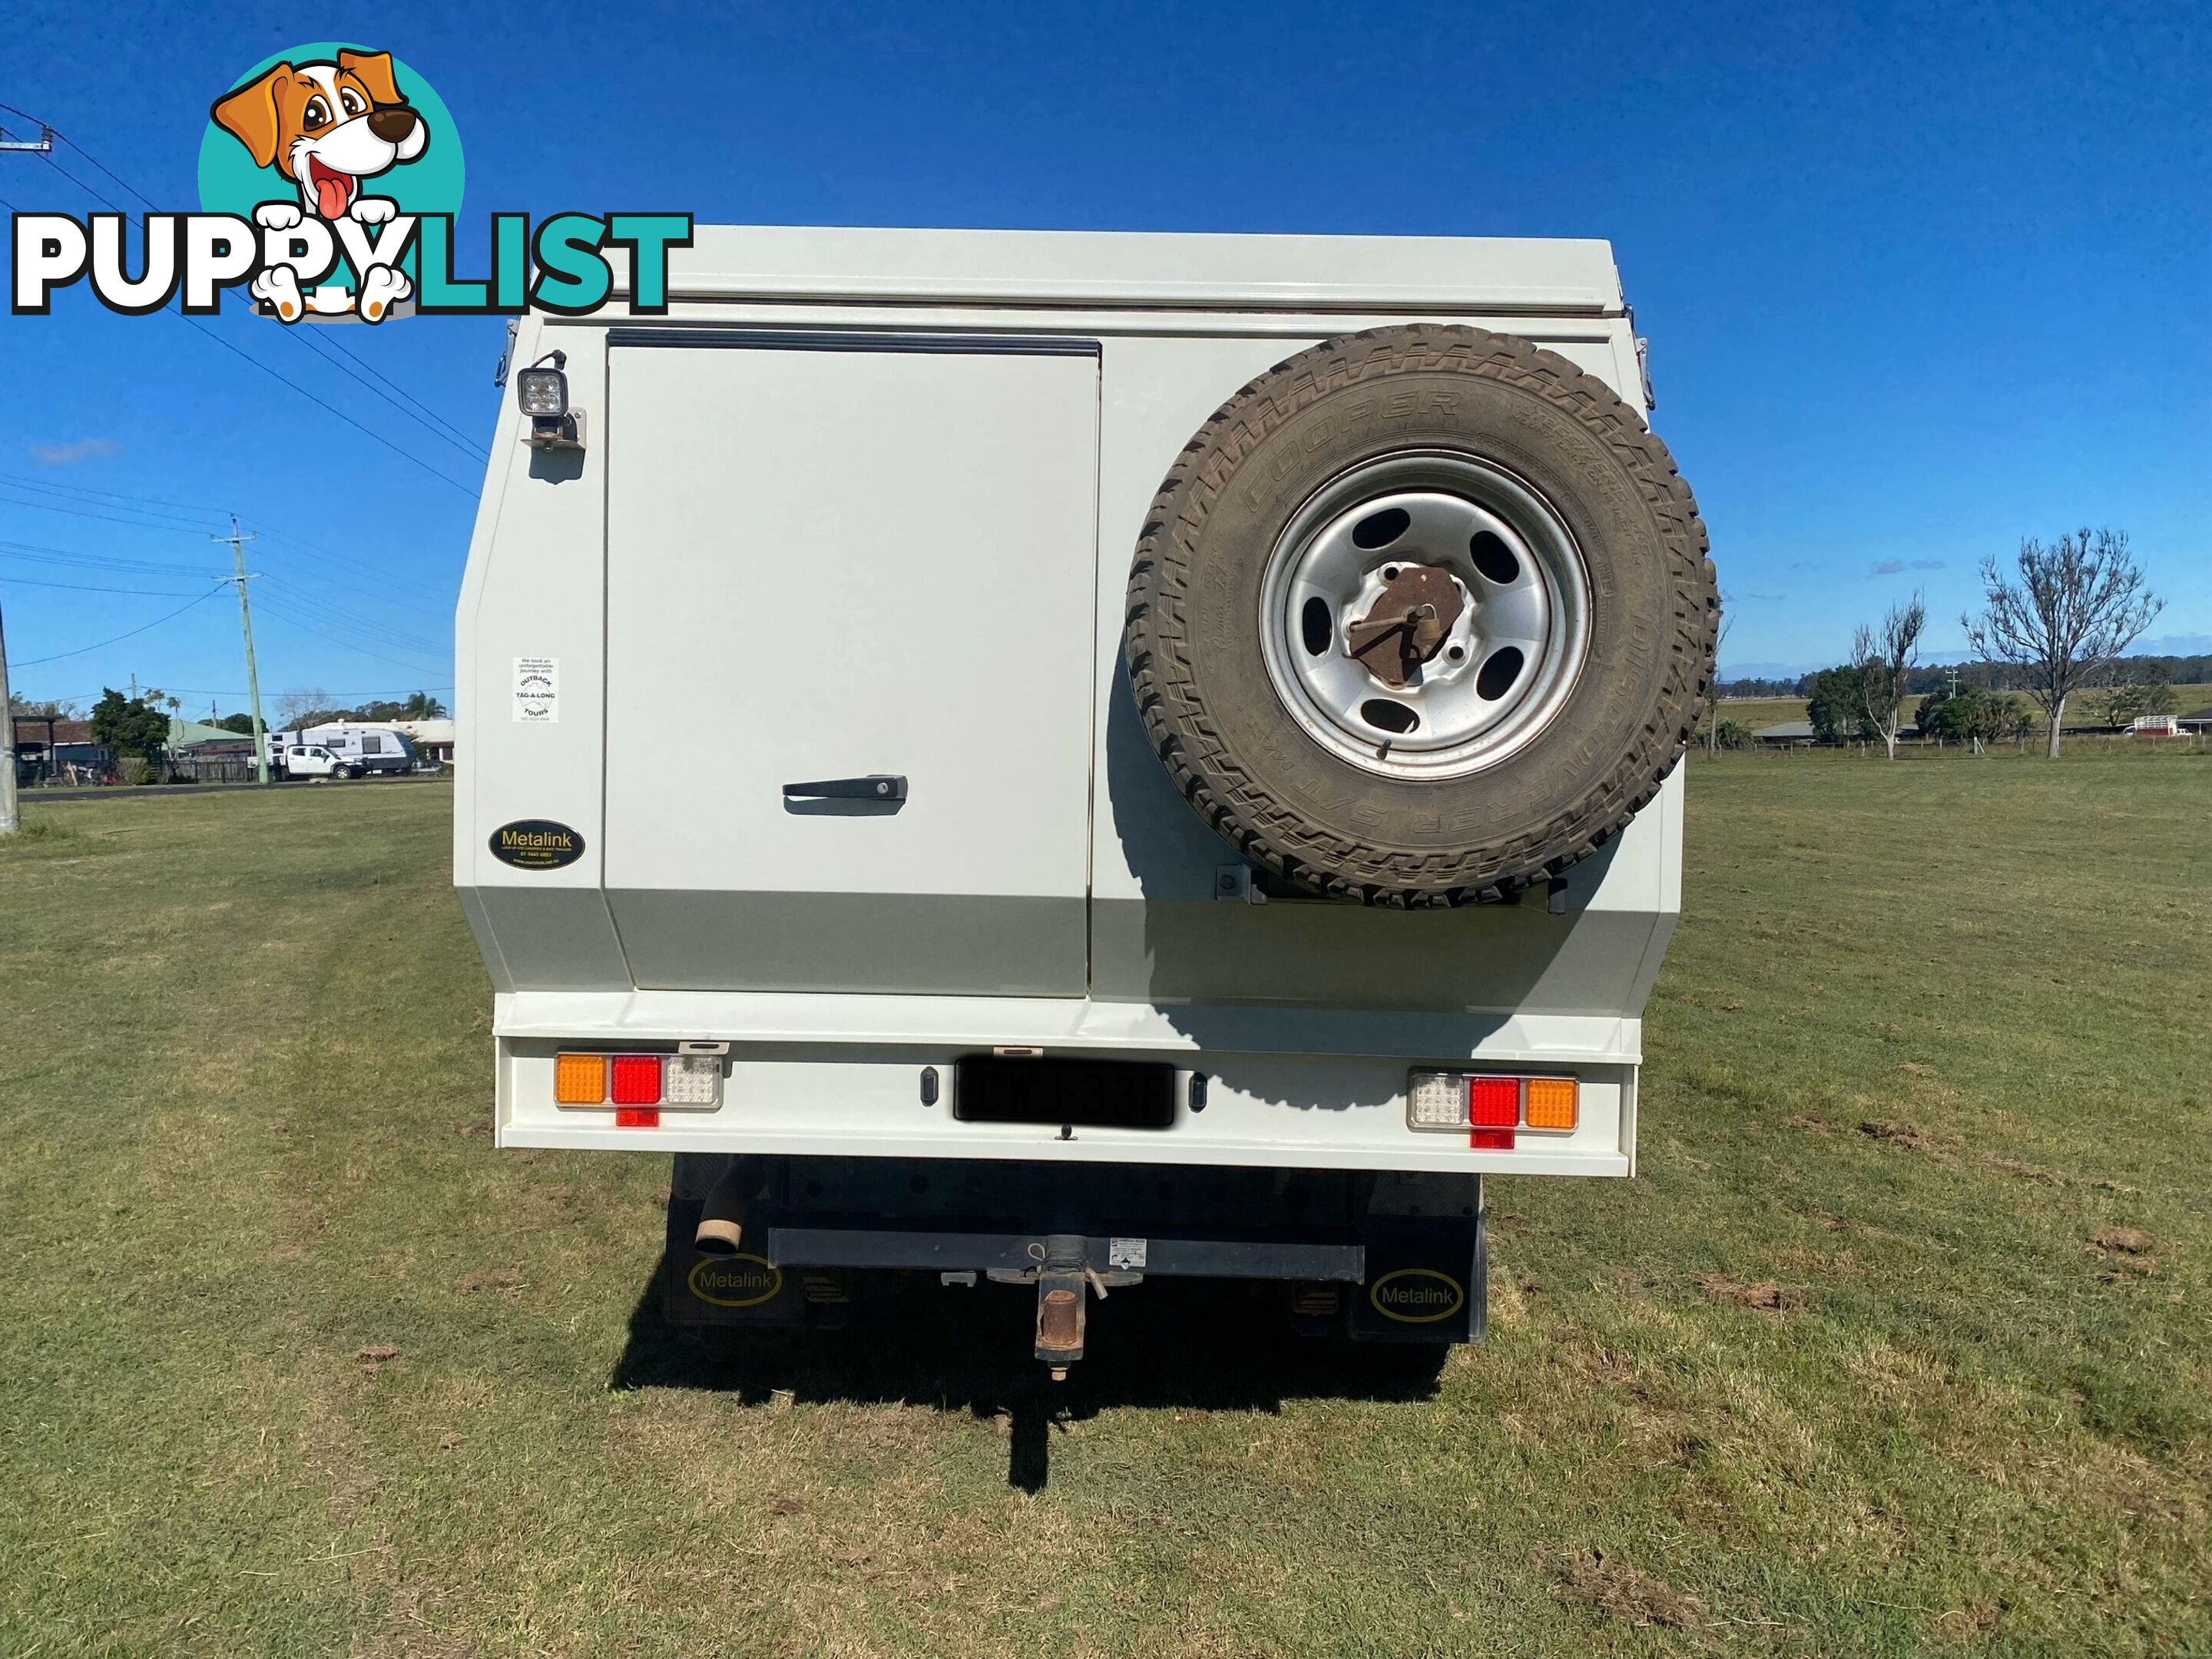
(2080, 602)
(294, 704)
(1713, 685)
(2122, 697)
(1883, 663)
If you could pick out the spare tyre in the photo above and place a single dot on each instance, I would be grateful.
(1422, 613)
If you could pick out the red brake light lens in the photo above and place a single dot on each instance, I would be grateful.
(637, 1117)
(1492, 1102)
(637, 1080)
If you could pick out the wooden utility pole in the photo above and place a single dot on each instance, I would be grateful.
(245, 625)
(9, 820)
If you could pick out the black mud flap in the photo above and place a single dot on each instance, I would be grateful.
(1427, 1280)
(745, 1289)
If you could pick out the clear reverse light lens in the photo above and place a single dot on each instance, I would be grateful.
(1436, 1100)
(693, 1080)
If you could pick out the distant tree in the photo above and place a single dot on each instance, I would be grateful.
(294, 707)
(1971, 714)
(241, 724)
(1833, 704)
(422, 706)
(2178, 671)
(1712, 687)
(1936, 714)
(1884, 660)
(2079, 603)
(1732, 734)
(128, 727)
(2148, 691)
(51, 709)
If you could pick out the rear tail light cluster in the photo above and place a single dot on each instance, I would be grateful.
(638, 1086)
(1492, 1109)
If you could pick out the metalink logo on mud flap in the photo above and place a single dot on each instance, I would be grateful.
(329, 182)
(735, 1281)
(1417, 1295)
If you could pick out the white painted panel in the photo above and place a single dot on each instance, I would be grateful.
(830, 564)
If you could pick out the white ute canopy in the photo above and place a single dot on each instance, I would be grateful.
(800, 691)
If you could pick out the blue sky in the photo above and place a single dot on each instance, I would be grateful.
(1919, 281)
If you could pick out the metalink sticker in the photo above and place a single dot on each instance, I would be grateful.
(537, 844)
(1417, 1295)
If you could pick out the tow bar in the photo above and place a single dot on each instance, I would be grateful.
(1062, 1287)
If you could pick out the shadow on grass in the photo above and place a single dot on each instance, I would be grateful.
(1204, 1344)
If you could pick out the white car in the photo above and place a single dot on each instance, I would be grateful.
(312, 760)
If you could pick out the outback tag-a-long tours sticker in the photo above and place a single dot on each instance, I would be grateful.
(330, 181)
(537, 844)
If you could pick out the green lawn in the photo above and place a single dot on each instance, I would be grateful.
(1899, 1344)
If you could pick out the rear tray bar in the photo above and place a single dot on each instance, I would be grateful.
(979, 1252)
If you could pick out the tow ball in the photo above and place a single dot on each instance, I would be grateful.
(1063, 1286)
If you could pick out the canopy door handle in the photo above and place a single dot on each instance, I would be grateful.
(876, 786)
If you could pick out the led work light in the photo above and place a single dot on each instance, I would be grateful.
(541, 393)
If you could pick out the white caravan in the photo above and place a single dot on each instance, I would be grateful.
(1071, 758)
(347, 751)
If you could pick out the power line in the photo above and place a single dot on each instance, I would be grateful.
(76, 493)
(352, 618)
(79, 587)
(476, 452)
(317, 555)
(39, 554)
(406, 455)
(324, 556)
(86, 513)
(333, 340)
(361, 364)
(82, 650)
(411, 459)
(356, 366)
(347, 645)
(317, 625)
(83, 151)
(230, 691)
(25, 480)
(58, 555)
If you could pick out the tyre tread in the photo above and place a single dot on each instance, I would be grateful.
(1241, 808)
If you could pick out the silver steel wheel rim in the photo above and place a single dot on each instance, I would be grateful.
(1541, 610)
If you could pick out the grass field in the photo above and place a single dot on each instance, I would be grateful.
(1899, 1344)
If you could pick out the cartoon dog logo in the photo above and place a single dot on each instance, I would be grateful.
(327, 127)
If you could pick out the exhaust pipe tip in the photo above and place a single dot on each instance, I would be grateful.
(722, 1217)
(717, 1235)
